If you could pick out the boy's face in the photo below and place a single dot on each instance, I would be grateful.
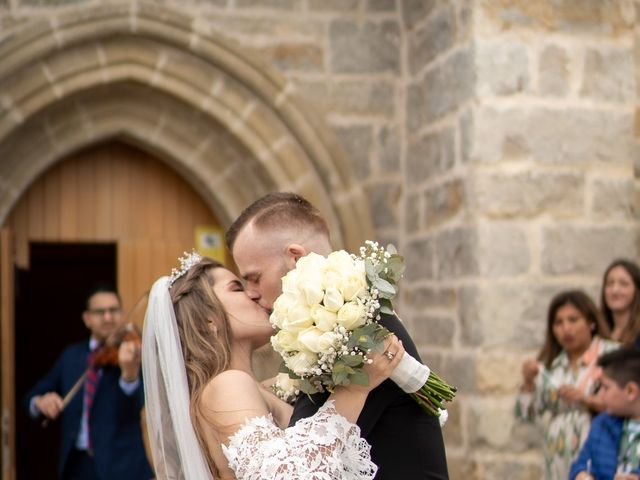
(619, 401)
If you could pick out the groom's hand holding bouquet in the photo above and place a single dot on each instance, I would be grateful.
(327, 322)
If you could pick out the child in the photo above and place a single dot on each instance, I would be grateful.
(612, 449)
(558, 386)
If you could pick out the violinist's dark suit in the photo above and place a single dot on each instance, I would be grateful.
(116, 434)
(406, 443)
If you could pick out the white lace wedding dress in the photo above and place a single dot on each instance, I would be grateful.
(323, 447)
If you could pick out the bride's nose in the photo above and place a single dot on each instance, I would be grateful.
(253, 294)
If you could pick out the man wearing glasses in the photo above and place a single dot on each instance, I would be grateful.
(101, 429)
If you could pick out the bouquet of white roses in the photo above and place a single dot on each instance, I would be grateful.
(327, 322)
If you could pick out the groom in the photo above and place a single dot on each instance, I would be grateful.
(266, 241)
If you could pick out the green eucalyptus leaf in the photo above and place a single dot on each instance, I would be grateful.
(359, 377)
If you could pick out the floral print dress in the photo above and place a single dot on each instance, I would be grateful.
(565, 426)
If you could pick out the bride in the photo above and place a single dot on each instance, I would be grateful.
(207, 415)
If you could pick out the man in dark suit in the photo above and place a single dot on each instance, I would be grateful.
(101, 429)
(266, 241)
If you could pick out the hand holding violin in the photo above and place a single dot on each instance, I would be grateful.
(129, 359)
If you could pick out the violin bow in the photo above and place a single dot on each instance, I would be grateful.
(76, 386)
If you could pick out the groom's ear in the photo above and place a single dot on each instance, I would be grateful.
(294, 252)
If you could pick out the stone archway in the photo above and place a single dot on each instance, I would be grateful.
(159, 79)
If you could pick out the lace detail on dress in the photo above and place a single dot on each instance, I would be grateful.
(323, 447)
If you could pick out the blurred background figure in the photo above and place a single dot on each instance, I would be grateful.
(101, 435)
(620, 301)
(558, 387)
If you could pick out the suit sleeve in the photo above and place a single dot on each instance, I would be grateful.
(51, 382)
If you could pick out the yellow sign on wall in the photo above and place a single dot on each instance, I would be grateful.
(209, 242)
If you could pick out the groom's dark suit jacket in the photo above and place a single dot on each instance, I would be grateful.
(406, 443)
(115, 417)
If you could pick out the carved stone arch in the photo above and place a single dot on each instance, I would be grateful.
(157, 78)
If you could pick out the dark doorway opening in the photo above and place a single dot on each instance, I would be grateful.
(48, 316)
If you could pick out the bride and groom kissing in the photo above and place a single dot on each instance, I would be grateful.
(207, 415)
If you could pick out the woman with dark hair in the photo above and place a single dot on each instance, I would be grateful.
(558, 386)
(209, 417)
(620, 301)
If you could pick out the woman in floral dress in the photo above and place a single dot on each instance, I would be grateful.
(558, 387)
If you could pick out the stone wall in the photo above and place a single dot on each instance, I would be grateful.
(496, 143)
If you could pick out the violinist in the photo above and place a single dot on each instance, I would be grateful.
(101, 427)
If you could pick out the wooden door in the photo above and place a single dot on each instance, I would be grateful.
(7, 376)
(114, 193)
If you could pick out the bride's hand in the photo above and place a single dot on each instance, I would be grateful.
(383, 364)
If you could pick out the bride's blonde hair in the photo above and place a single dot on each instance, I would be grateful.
(206, 350)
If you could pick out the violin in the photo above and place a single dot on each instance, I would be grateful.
(107, 353)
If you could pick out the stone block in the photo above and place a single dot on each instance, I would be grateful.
(412, 215)
(491, 424)
(347, 97)
(414, 11)
(504, 250)
(615, 200)
(513, 314)
(432, 155)
(513, 470)
(462, 466)
(333, 5)
(434, 37)
(498, 373)
(565, 16)
(357, 141)
(609, 75)
(295, 5)
(566, 136)
(554, 75)
(294, 56)
(465, 128)
(443, 202)
(456, 253)
(373, 47)
(381, 5)
(453, 80)
(586, 250)
(501, 68)
(528, 194)
(453, 430)
(384, 200)
(420, 298)
(437, 330)
(457, 370)
(257, 28)
(388, 150)
(421, 265)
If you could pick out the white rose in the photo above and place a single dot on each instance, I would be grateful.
(309, 339)
(286, 383)
(332, 299)
(326, 341)
(281, 309)
(352, 315)
(313, 292)
(324, 319)
(301, 362)
(340, 261)
(298, 317)
(354, 285)
(285, 341)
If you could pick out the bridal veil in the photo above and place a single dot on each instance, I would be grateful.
(173, 442)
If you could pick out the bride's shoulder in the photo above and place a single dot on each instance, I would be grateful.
(231, 385)
(231, 397)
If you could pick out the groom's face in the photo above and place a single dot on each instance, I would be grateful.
(261, 264)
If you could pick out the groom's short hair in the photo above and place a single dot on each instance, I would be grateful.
(278, 209)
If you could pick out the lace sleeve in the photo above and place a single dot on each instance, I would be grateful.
(322, 447)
